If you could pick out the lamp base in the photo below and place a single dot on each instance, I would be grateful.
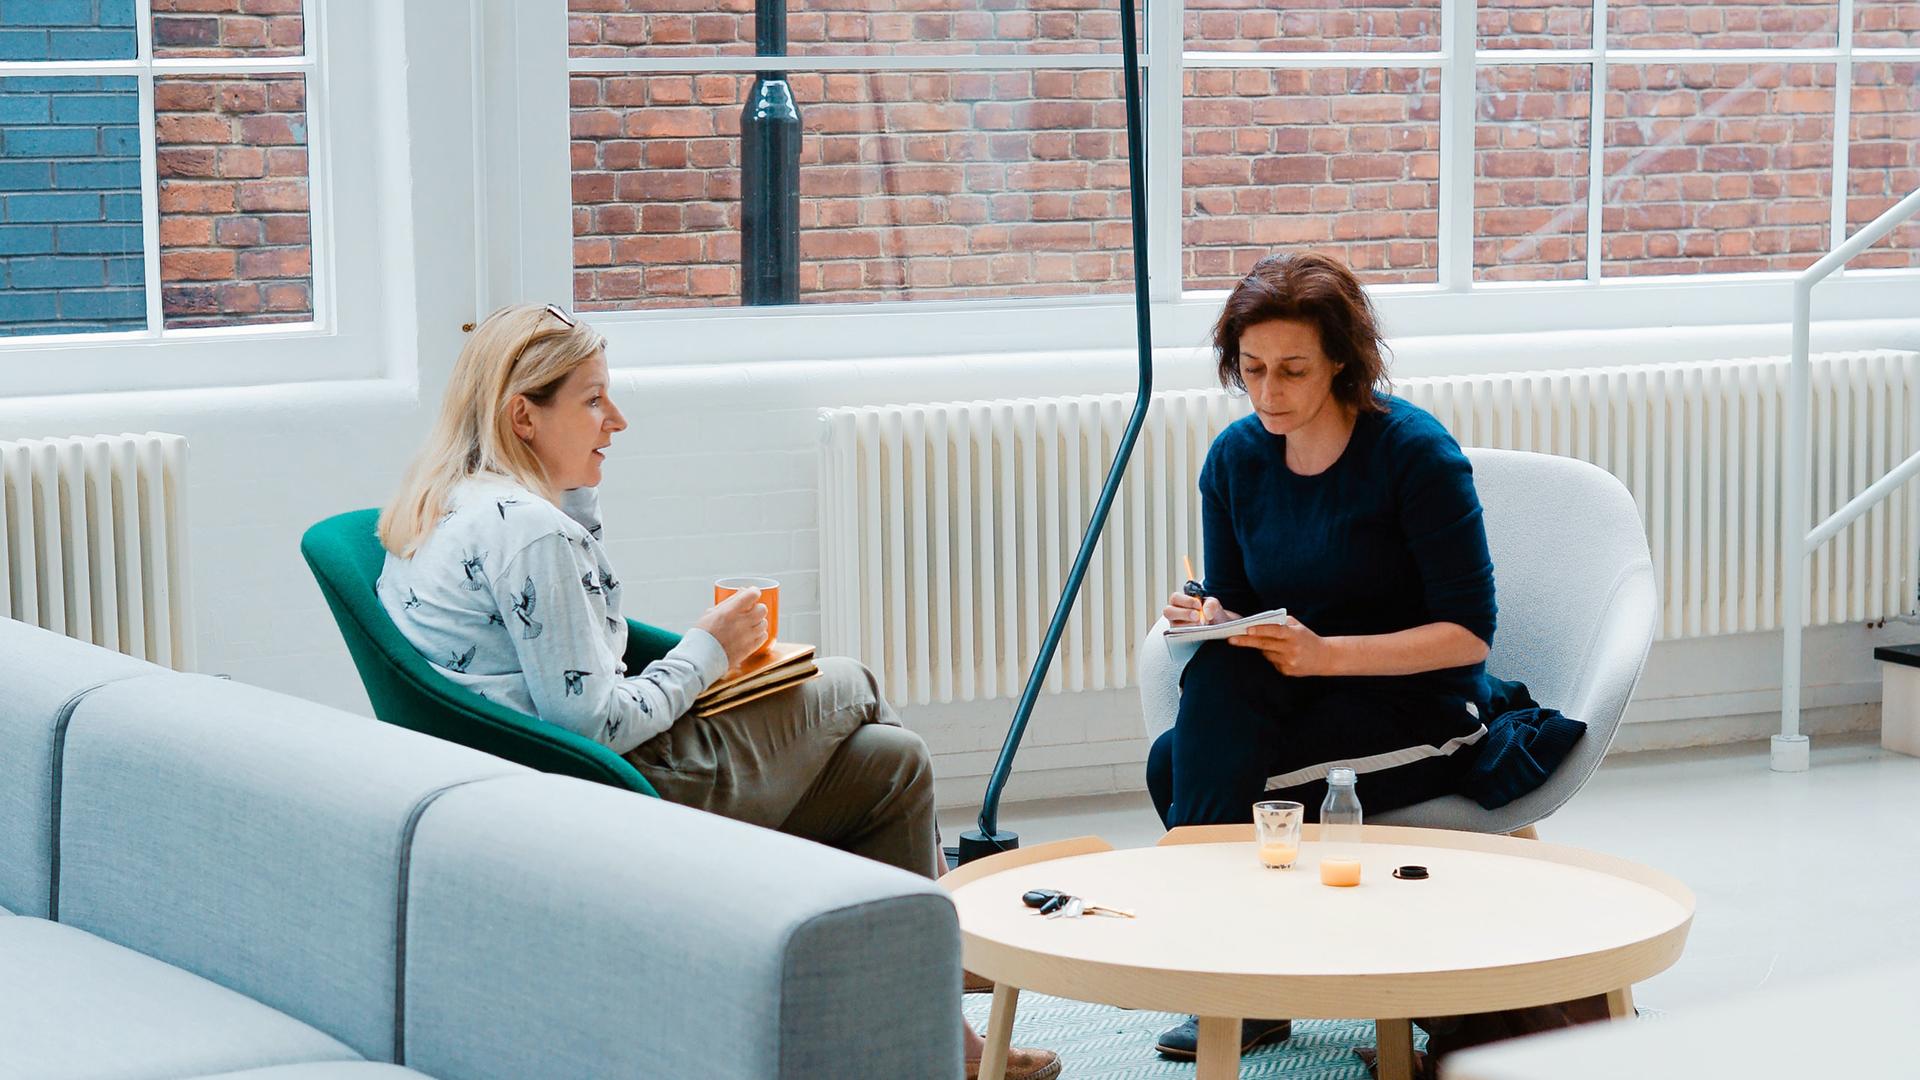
(975, 844)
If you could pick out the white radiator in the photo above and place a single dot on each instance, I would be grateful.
(93, 542)
(946, 530)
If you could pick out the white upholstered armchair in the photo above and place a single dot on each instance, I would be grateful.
(1577, 611)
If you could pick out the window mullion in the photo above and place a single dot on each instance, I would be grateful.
(1457, 84)
(319, 157)
(1596, 139)
(1842, 127)
(1165, 124)
(149, 170)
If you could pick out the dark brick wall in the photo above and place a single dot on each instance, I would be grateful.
(70, 246)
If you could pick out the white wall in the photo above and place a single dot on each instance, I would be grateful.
(717, 473)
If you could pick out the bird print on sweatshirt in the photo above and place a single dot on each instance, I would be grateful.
(475, 567)
(459, 661)
(576, 681)
(523, 606)
(502, 504)
(587, 583)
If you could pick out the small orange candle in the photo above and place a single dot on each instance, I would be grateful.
(1278, 856)
(1343, 873)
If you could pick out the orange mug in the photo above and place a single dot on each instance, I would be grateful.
(769, 595)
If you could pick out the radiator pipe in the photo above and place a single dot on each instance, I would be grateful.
(988, 838)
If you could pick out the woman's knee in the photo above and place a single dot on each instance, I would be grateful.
(1222, 688)
(895, 752)
(846, 683)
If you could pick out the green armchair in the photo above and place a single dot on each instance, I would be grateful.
(405, 689)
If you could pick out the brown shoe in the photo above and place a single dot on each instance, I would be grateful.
(975, 984)
(1024, 1064)
(1422, 1063)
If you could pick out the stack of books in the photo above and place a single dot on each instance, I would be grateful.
(782, 665)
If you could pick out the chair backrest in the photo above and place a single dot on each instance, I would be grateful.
(1573, 580)
(345, 555)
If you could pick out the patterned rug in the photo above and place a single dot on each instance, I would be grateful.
(1099, 1042)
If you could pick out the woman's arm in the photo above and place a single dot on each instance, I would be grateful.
(1295, 650)
(571, 669)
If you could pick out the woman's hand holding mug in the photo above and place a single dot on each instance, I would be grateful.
(739, 624)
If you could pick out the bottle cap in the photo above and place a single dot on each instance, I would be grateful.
(1410, 873)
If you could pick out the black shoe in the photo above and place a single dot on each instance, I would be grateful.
(1182, 1042)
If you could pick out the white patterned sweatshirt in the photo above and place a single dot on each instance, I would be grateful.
(511, 597)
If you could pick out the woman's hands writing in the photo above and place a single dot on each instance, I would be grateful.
(1184, 610)
(738, 623)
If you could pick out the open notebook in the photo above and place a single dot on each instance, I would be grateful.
(1183, 641)
(784, 664)
(1211, 631)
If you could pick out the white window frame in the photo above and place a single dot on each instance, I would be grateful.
(342, 340)
(1455, 303)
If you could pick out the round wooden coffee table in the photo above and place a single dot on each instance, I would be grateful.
(1501, 923)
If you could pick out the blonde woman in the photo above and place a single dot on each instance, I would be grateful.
(496, 573)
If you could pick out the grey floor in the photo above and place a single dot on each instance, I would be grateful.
(1795, 875)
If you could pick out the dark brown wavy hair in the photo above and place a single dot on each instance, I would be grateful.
(1315, 288)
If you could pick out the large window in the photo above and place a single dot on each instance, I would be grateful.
(966, 151)
(154, 167)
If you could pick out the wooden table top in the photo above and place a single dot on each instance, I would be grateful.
(1501, 922)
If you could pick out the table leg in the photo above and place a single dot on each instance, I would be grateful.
(1393, 1043)
(1620, 1003)
(1218, 1055)
(999, 1033)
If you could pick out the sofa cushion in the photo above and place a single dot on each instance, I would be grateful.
(626, 936)
(74, 1007)
(44, 673)
(251, 838)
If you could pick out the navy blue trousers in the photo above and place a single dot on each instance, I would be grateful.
(1243, 726)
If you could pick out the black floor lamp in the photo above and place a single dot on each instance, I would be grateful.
(989, 837)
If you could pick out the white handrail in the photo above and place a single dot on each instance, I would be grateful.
(1790, 748)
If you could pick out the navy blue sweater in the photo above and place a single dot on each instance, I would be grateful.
(1387, 538)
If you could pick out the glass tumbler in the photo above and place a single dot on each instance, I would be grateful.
(1276, 825)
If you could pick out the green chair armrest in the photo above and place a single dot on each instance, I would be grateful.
(645, 644)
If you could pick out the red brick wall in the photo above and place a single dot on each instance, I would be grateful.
(1883, 159)
(844, 27)
(1530, 172)
(1340, 161)
(995, 184)
(227, 28)
(1717, 168)
(235, 237)
(236, 243)
(921, 185)
(1688, 24)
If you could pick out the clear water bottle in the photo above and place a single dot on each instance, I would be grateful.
(1340, 815)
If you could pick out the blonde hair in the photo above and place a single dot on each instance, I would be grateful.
(525, 349)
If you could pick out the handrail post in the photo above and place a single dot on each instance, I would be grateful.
(1791, 750)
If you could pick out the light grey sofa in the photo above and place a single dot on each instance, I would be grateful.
(199, 878)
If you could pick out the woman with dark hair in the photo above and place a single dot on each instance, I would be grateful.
(1356, 512)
